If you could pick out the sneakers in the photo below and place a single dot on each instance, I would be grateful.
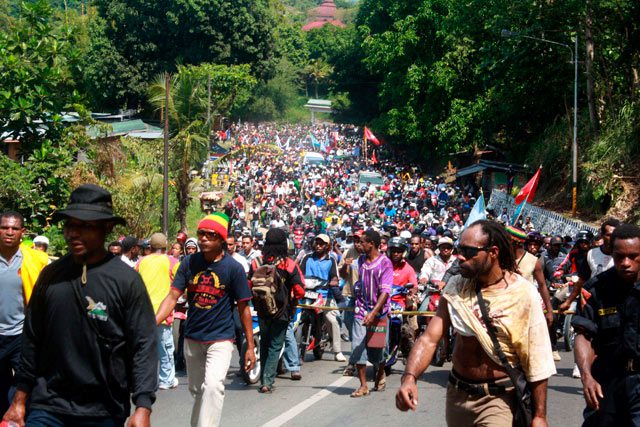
(340, 357)
(556, 356)
(576, 372)
(173, 385)
(295, 376)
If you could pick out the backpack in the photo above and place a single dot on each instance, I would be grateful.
(268, 290)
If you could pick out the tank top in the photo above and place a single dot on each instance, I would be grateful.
(526, 265)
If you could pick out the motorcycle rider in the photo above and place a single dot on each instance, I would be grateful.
(404, 275)
(322, 265)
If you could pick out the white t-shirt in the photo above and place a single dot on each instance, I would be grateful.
(598, 261)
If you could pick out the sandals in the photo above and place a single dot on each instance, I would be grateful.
(381, 385)
(360, 392)
(265, 389)
(348, 371)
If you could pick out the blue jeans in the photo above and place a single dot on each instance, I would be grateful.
(291, 355)
(167, 368)
(10, 349)
(41, 418)
(348, 316)
(272, 335)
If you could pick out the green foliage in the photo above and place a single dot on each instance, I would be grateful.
(38, 187)
(35, 84)
(148, 37)
(615, 154)
(189, 103)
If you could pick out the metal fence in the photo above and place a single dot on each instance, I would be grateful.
(545, 221)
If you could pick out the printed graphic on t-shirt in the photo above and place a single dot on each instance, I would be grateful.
(97, 310)
(206, 289)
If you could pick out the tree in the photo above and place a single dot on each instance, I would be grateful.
(35, 76)
(192, 113)
(317, 71)
(150, 37)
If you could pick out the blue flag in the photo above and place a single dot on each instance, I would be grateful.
(314, 142)
(518, 211)
(478, 212)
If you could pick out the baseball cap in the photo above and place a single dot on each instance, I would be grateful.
(42, 240)
(324, 238)
(445, 241)
(158, 241)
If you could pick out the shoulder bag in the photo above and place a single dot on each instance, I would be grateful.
(523, 416)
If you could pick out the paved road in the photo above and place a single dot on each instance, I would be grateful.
(322, 399)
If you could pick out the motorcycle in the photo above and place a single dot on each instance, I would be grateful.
(312, 334)
(253, 376)
(444, 350)
(400, 338)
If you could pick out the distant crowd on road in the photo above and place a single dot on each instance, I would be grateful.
(311, 253)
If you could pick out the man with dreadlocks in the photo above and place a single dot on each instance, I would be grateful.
(273, 330)
(480, 390)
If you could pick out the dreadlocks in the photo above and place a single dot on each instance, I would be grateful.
(497, 236)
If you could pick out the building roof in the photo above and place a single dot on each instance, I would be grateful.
(323, 14)
(326, 10)
(491, 165)
(133, 128)
(319, 24)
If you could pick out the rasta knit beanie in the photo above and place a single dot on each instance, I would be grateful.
(217, 222)
(517, 234)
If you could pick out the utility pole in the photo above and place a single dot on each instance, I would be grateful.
(165, 166)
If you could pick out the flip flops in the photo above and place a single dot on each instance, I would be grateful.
(360, 392)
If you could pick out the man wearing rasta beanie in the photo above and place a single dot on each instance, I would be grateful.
(215, 281)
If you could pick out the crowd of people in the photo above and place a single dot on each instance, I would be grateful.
(133, 311)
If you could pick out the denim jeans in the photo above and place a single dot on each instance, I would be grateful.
(291, 355)
(167, 368)
(40, 418)
(272, 335)
(10, 349)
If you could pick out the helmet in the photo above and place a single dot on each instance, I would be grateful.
(397, 242)
(534, 236)
(584, 235)
(181, 237)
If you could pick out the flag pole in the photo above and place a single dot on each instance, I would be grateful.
(366, 160)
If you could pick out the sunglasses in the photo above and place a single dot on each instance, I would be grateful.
(210, 235)
(469, 252)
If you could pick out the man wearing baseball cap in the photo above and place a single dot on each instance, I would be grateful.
(214, 281)
(434, 268)
(158, 271)
(89, 340)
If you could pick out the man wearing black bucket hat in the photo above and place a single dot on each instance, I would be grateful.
(89, 344)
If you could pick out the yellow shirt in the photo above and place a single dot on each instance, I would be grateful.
(33, 261)
(157, 271)
(517, 315)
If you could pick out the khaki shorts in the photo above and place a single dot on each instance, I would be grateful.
(463, 409)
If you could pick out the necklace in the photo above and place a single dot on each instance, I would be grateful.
(497, 281)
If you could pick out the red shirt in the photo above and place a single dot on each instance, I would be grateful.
(404, 274)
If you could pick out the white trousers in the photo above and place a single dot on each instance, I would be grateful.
(207, 366)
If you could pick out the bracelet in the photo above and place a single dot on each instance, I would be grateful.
(409, 374)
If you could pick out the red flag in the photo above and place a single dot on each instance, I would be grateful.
(374, 159)
(529, 190)
(370, 136)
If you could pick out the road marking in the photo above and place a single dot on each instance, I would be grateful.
(305, 404)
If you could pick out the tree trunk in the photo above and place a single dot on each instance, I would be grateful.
(317, 89)
(589, 44)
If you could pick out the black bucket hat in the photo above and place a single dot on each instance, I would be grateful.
(89, 202)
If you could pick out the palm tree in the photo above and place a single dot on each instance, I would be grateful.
(189, 124)
(317, 71)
